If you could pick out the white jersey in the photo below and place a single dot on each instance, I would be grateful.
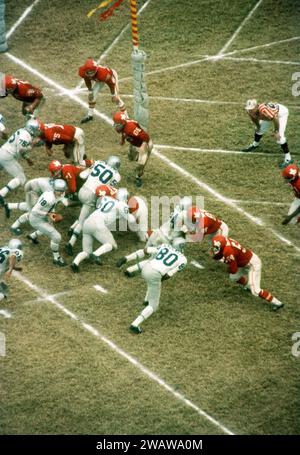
(19, 143)
(2, 125)
(39, 185)
(45, 204)
(111, 209)
(167, 260)
(5, 254)
(100, 174)
(175, 226)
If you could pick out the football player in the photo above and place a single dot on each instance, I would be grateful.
(165, 261)
(31, 96)
(71, 136)
(18, 145)
(101, 172)
(95, 77)
(41, 218)
(292, 175)
(138, 208)
(9, 256)
(140, 143)
(244, 267)
(98, 225)
(262, 115)
(33, 190)
(202, 223)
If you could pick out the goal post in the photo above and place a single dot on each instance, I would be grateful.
(138, 57)
(3, 42)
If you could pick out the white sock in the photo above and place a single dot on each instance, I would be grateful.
(80, 257)
(145, 314)
(106, 248)
(136, 255)
(91, 112)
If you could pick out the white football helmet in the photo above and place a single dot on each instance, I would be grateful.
(114, 162)
(59, 185)
(33, 127)
(122, 195)
(251, 104)
(15, 244)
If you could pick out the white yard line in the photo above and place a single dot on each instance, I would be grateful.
(197, 264)
(21, 19)
(43, 299)
(170, 163)
(203, 150)
(261, 46)
(100, 289)
(115, 41)
(257, 60)
(179, 396)
(239, 28)
(6, 314)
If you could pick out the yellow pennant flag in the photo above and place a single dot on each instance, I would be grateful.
(102, 5)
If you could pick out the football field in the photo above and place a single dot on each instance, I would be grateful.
(213, 359)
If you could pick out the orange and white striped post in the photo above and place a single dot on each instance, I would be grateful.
(134, 27)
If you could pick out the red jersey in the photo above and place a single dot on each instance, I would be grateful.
(235, 255)
(295, 184)
(133, 133)
(70, 174)
(103, 74)
(209, 223)
(57, 134)
(26, 92)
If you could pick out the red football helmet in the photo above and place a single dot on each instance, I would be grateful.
(290, 172)
(10, 83)
(105, 190)
(218, 245)
(90, 66)
(120, 118)
(133, 204)
(55, 168)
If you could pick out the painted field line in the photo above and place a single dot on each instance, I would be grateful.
(197, 264)
(21, 19)
(239, 28)
(170, 163)
(179, 396)
(115, 41)
(203, 150)
(261, 46)
(257, 60)
(279, 204)
(6, 314)
(43, 299)
(100, 289)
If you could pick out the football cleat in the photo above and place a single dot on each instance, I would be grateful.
(128, 274)
(277, 306)
(5, 205)
(138, 182)
(74, 268)
(87, 119)
(250, 148)
(33, 239)
(96, 259)
(121, 261)
(60, 262)
(69, 249)
(16, 231)
(135, 329)
(284, 164)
